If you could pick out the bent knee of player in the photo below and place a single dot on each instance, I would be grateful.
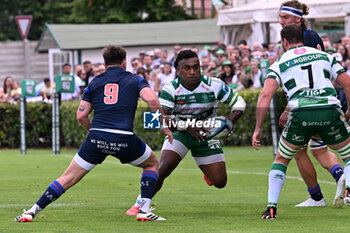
(343, 149)
(221, 183)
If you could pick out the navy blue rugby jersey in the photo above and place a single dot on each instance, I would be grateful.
(312, 39)
(114, 96)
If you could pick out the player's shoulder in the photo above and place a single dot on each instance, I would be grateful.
(311, 33)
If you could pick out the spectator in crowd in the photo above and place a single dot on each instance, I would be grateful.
(147, 61)
(245, 51)
(211, 72)
(66, 70)
(204, 63)
(271, 47)
(257, 47)
(77, 68)
(164, 56)
(156, 57)
(97, 69)
(343, 52)
(151, 77)
(256, 74)
(47, 91)
(88, 70)
(232, 56)
(177, 49)
(7, 89)
(136, 64)
(142, 56)
(207, 51)
(245, 76)
(228, 73)
(345, 40)
(230, 49)
(325, 38)
(164, 77)
(221, 56)
(15, 93)
(278, 50)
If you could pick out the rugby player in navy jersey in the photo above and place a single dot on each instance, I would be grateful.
(292, 12)
(113, 96)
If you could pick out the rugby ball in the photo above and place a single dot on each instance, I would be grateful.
(219, 127)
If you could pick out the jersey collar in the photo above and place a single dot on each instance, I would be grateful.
(298, 46)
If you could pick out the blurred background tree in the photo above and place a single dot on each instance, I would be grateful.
(83, 12)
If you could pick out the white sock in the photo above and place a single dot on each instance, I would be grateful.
(347, 173)
(276, 181)
(138, 201)
(144, 204)
(35, 209)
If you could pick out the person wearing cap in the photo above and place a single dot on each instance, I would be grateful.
(221, 56)
(228, 73)
(292, 12)
(142, 55)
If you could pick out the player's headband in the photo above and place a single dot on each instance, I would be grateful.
(292, 11)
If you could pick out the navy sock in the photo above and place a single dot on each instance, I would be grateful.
(315, 193)
(54, 191)
(337, 172)
(148, 183)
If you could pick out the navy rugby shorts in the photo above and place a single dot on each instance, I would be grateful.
(127, 148)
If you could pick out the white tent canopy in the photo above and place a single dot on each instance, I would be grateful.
(250, 18)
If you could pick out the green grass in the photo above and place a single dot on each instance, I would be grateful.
(98, 203)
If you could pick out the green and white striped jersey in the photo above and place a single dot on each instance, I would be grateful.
(199, 103)
(306, 75)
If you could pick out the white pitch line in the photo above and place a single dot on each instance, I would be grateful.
(53, 205)
(228, 171)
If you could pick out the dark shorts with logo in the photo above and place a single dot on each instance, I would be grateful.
(98, 145)
(329, 123)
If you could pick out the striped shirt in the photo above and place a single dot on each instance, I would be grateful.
(306, 75)
(199, 103)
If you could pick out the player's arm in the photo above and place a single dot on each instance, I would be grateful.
(262, 107)
(83, 112)
(231, 98)
(344, 81)
(152, 101)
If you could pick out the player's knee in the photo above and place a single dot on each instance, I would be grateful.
(220, 182)
(344, 152)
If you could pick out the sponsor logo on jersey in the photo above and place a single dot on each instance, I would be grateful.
(299, 51)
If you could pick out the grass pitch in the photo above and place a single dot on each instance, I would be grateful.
(98, 203)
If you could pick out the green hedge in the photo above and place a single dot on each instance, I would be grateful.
(39, 131)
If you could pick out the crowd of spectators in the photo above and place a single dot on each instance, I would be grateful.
(238, 66)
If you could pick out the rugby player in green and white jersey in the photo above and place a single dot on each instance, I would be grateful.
(294, 12)
(305, 74)
(194, 96)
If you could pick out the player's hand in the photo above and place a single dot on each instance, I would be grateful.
(347, 115)
(256, 139)
(167, 132)
(231, 129)
(283, 119)
(199, 133)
